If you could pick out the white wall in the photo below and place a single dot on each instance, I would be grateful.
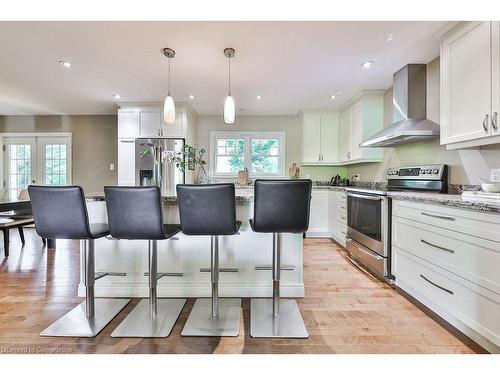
(289, 124)
(465, 166)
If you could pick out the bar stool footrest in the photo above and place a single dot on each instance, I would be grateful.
(268, 267)
(76, 324)
(168, 274)
(227, 269)
(140, 323)
(100, 275)
(201, 323)
(289, 324)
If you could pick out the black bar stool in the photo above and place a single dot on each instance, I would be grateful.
(135, 213)
(280, 206)
(210, 210)
(61, 212)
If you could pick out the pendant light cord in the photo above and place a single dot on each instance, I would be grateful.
(169, 76)
(229, 76)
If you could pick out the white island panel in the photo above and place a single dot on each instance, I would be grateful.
(187, 254)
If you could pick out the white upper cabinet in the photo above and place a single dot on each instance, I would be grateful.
(329, 142)
(320, 138)
(361, 118)
(150, 123)
(470, 85)
(128, 121)
(147, 121)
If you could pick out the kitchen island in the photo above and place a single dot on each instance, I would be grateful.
(188, 254)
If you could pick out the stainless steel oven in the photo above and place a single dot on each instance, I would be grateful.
(368, 228)
(369, 213)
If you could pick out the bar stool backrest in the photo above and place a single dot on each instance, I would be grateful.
(207, 209)
(60, 212)
(282, 206)
(134, 213)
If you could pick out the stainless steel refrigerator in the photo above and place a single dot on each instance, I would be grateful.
(155, 165)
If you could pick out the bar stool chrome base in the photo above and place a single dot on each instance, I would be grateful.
(140, 322)
(288, 324)
(201, 322)
(76, 324)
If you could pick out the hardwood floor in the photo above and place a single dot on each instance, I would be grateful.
(345, 310)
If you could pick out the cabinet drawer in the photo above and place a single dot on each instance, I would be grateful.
(342, 197)
(473, 258)
(342, 217)
(342, 206)
(478, 224)
(342, 229)
(474, 306)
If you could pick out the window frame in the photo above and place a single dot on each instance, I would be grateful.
(247, 136)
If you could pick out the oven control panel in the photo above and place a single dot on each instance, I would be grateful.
(418, 172)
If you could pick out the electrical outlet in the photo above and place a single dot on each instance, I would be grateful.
(111, 167)
(495, 175)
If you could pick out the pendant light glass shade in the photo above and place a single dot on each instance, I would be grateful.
(169, 110)
(229, 107)
(169, 106)
(229, 110)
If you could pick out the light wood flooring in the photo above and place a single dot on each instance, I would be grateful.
(345, 311)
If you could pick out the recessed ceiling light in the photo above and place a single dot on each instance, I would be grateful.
(390, 37)
(259, 97)
(191, 96)
(116, 96)
(66, 64)
(335, 95)
(367, 64)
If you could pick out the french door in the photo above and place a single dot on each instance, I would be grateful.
(42, 160)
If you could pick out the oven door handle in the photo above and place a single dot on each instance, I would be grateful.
(362, 196)
(370, 254)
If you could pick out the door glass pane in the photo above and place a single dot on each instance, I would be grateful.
(19, 169)
(55, 165)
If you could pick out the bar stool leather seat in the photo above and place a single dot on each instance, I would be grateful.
(60, 212)
(280, 206)
(136, 213)
(210, 210)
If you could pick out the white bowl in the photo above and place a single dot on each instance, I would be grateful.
(491, 187)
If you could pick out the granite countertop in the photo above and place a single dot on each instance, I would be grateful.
(240, 198)
(243, 194)
(451, 200)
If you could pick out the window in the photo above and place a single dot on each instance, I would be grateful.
(55, 165)
(262, 153)
(36, 158)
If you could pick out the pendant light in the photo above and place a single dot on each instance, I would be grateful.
(229, 108)
(169, 106)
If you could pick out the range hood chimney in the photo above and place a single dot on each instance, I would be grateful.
(410, 123)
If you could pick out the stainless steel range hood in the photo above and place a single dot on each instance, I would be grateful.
(410, 123)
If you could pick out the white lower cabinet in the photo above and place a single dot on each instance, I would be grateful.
(338, 216)
(448, 259)
(319, 218)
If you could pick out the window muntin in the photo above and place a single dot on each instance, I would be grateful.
(262, 153)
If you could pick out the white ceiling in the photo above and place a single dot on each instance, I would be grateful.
(293, 65)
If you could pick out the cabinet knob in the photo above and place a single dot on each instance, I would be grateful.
(494, 121)
(485, 122)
